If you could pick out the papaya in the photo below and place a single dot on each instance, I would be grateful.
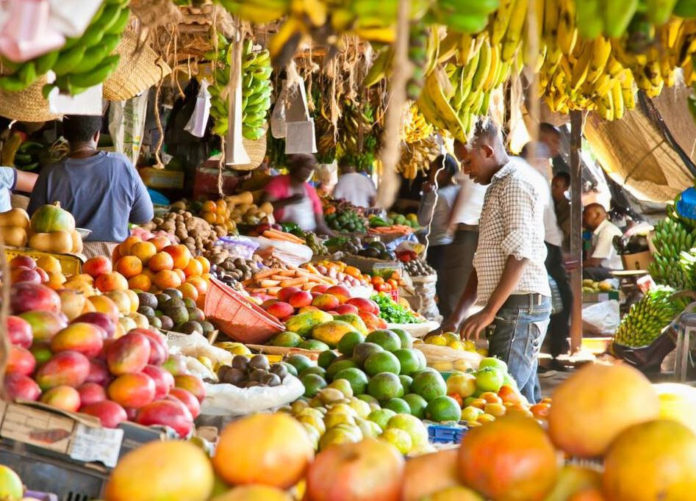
(331, 332)
(355, 321)
(51, 218)
(14, 236)
(60, 242)
(15, 217)
(303, 323)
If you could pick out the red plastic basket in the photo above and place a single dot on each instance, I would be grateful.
(238, 317)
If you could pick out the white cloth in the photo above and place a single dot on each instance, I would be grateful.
(355, 188)
(8, 182)
(470, 201)
(512, 224)
(603, 245)
(302, 212)
(446, 197)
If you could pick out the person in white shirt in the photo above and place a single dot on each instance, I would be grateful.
(509, 279)
(11, 180)
(603, 257)
(354, 187)
(439, 194)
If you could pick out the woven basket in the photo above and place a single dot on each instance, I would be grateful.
(256, 151)
(136, 72)
(28, 105)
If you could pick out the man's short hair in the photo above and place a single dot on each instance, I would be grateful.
(595, 205)
(564, 176)
(448, 163)
(81, 128)
(549, 129)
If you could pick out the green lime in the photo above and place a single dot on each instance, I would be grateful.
(363, 350)
(493, 362)
(443, 408)
(405, 337)
(326, 357)
(315, 369)
(384, 338)
(409, 361)
(368, 398)
(384, 386)
(429, 384)
(382, 362)
(314, 345)
(291, 368)
(489, 379)
(398, 405)
(406, 382)
(312, 383)
(337, 366)
(417, 404)
(357, 379)
(348, 342)
(287, 339)
(299, 362)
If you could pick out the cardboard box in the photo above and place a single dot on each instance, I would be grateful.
(638, 261)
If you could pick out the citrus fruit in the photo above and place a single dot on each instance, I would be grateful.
(313, 344)
(337, 366)
(382, 362)
(405, 338)
(493, 362)
(314, 369)
(291, 368)
(398, 405)
(443, 408)
(287, 339)
(387, 339)
(398, 438)
(381, 417)
(429, 384)
(416, 403)
(409, 361)
(384, 386)
(312, 383)
(357, 379)
(11, 487)
(489, 379)
(299, 362)
(411, 425)
(325, 358)
(363, 350)
(348, 342)
(406, 382)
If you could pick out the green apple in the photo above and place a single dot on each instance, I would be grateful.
(462, 384)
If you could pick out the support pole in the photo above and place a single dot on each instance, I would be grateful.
(576, 229)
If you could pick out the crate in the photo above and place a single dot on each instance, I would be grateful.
(237, 317)
(162, 179)
(446, 434)
(69, 480)
(599, 297)
(70, 263)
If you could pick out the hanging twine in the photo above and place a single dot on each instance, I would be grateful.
(4, 312)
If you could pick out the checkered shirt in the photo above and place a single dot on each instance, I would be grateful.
(512, 224)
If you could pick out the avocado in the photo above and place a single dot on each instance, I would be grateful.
(196, 314)
(147, 299)
(190, 327)
(147, 311)
(173, 293)
(167, 323)
(178, 314)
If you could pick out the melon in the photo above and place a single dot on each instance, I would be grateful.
(50, 218)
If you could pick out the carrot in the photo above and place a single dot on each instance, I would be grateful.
(268, 283)
(265, 273)
(292, 282)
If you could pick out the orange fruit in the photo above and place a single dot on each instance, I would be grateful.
(130, 266)
(167, 279)
(144, 251)
(189, 290)
(540, 411)
(107, 282)
(193, 268)
(180, 273)
(209, 206)
(204, 263)
(199, 284)
(140, 282)
(160, 242)
(124, 248)
(161, 261)
(490, 397)
(180, 255)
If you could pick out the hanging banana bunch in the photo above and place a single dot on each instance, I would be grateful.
(82, 62)
(414, 126)
(416, 157)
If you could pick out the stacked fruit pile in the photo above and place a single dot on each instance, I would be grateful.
(89, 365)
(344, 217)
(256, 88)
(194, 232)
(648, 317)
(81, 62)
(51, 229)
(593, 286)
(247, 372)
(46, 270)
(348, 276)
(671, 238)
(169, 310)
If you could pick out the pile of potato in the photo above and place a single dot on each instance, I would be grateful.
(236, 209)
(192, 231)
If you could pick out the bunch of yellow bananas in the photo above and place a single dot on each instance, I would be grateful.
(414, 127)
(417, 157)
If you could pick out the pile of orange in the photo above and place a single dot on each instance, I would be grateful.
(157, 264)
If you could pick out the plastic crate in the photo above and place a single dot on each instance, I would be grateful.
(446, 434)
(238, 317)
(70, 264)
(68, 480)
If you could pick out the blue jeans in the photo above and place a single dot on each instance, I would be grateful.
(516, 336)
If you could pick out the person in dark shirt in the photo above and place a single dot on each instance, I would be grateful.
(559, 185)
(101, 190)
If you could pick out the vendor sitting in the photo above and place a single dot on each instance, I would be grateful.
(102, 190)
(294, 199)
(603, 257)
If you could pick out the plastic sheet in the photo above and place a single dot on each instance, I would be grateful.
(229, 400)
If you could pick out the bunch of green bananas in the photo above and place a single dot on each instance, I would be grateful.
(464, 16)
(647, 318)
(671, 238)
(82, 62)
(256, 88)
(418, 55)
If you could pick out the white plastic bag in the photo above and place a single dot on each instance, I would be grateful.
(290, 253)
(195, 345)
(199, 118)
(227, 399)
(601, 318)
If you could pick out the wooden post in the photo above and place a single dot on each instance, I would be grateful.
(576, 229)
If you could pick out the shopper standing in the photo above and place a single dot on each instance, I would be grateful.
(509, 279)
(439, 195)
(356, 188)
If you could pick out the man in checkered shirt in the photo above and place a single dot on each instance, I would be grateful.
(509, 281)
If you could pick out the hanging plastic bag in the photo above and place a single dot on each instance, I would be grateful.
(199, 118)
(278, 125)
(28, 30)
(601, 318)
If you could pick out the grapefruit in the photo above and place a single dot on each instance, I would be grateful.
(385, 386)
(383, 361)
(652, 460)
(173, 470)
(597, 403)
(443, 408)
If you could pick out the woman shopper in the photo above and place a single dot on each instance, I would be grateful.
(438, 197)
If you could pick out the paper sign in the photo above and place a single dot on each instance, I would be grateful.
(36, 427)
(96, 444)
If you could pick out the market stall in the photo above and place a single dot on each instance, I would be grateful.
(221, 335)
